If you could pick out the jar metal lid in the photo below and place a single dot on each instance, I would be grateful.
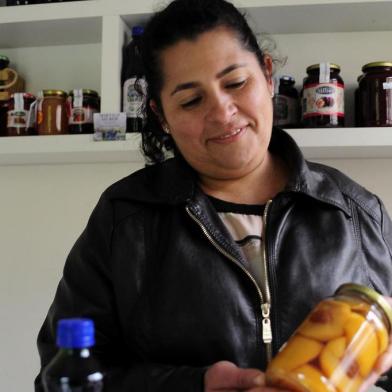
(317, 66)
(377, 64)
(372, 295)
(86, 91)
(60, 93)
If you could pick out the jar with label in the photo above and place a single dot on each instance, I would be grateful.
(21, 115)
(337, 346)
(286, 104)
(52, 112)
(323, 97)
(83, 104)
(375, 95)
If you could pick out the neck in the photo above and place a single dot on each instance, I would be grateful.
(256, 187)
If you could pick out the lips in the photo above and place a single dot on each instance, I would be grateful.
(228, 135)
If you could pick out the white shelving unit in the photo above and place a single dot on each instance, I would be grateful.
(80, 42)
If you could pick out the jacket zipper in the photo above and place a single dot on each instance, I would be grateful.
(265, 300)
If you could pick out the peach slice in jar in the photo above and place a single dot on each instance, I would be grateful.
(362, 342)
(296, 352)
(341, 370)
(326, 321)
(313, 379)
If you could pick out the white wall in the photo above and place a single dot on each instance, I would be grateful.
(43, 209)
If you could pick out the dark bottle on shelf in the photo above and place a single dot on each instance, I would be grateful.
(133, 82)
(74, 368)
(286, 103)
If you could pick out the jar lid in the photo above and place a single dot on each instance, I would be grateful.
(377, 64)
(287, 78)
(317, 66)
(371, 294)
(60, 93)
(86, 91)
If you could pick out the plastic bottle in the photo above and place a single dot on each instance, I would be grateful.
(73, 369)
(133, 82)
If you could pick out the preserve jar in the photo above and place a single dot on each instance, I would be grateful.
(375, 95)
(323, 97)
(286, 104)
(337, 346)
(83, 104)
(52, 112)
(20, 116)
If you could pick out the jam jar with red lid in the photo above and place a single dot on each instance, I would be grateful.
(83, 104)
(375, 95)
(21, 115)
(52, 112)
(323, 96)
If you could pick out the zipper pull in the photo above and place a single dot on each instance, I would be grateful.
(267, 331)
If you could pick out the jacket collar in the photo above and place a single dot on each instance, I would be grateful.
(174, 181)
(307, 178)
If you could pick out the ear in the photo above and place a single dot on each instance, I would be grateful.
(157, 112)
(268, 68)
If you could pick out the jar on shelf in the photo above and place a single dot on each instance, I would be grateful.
(21, 115)
(323, 96)
(52, 112)
(286, 104)
(337, 346)
(375, 95)
(83, 104)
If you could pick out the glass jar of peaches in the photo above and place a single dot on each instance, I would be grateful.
(337, 346)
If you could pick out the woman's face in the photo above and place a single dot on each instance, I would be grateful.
(217, 104)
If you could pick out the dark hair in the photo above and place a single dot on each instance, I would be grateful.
(182, 19)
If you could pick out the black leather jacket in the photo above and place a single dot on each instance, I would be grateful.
(169, 291)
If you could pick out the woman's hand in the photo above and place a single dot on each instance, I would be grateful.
(227, 377)
(383, 364)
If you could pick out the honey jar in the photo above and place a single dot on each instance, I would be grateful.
(337, 346)
(52, 112)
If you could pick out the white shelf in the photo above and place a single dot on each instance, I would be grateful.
(81, 22)
(315, 143)
(60, 149)
(312, 16)
(54, 27)
(356, 143)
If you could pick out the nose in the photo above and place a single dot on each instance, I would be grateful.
(221, 109)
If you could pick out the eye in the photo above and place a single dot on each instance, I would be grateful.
(236, 85)
(191, 103)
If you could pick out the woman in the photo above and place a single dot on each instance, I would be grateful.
(197, 269)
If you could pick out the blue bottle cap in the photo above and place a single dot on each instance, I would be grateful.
(75, 333)
(137, 30)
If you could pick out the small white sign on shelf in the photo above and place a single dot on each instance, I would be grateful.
(110, 126)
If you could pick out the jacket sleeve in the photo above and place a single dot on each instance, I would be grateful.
(86, 290)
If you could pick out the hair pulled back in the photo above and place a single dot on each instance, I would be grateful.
(182, 19)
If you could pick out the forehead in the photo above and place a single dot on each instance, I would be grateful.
(209, 53)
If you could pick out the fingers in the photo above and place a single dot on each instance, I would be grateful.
(227, 376)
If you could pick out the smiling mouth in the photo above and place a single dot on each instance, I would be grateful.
(229, 135)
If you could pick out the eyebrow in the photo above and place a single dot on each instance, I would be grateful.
(220, 74)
